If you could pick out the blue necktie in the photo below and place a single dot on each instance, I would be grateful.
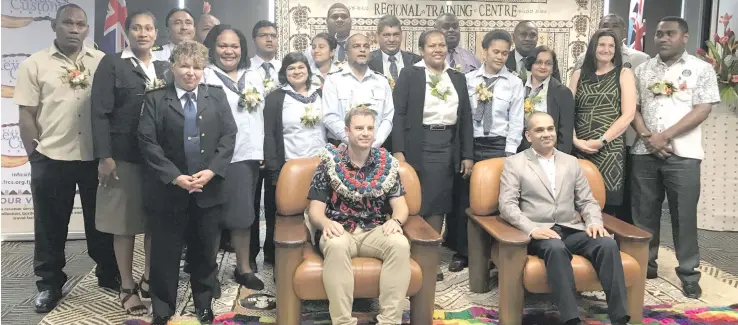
(193, 154)
(393, 67)
(341, 55)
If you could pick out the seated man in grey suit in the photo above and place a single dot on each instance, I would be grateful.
(544, 193)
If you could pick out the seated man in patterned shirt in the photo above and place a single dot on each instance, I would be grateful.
(348, 196)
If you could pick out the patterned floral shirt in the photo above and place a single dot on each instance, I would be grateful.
(695, 82)
(360, 201)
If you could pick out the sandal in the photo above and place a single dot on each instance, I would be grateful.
(144, 293)
(138, 310)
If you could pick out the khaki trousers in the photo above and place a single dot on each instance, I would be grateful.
(338, 277)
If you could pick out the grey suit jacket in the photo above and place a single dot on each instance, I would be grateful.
(527, 200)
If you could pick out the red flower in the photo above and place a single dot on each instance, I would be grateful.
(667, 91)
(683, 85)
(716, 38)
(724, 39)
(735, 78)
(701, 52)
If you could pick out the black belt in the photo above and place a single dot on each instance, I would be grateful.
(438, 127)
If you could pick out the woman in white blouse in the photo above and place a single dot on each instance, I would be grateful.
(229, 67)
(292, 117)
(323, 49)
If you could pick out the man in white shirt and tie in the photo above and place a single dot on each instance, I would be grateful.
(353, 86)
(265, 61)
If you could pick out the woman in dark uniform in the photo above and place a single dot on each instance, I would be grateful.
(432, 127)
(187, 136)
(117, 95)
(605, 104)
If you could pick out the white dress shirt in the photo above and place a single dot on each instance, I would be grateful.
(507, 106)
(386, 63)
(549, 168)
(165, 52)
(343, 90)
(437, 111)
(181, 95)
(256, 63)
(301, 141)
(149, 69)
(542, 105)
(250, 136)
(519, 61)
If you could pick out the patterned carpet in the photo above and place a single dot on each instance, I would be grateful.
(87, 304)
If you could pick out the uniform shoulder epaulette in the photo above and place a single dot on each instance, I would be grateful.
(382, 75)
(472, 69)
(212, 85)
(157, 48)
(337, 71)
(151, 90)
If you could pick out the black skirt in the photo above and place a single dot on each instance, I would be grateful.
(240, 185)
(436, 171)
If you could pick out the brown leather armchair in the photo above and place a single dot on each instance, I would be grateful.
(491, 237)
(299, 264)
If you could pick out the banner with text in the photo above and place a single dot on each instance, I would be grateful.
(564, 25)
(26, 29)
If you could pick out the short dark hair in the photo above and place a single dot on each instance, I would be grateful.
(589, 65)
(683, 26)
(292, 58)
(534, 56)
(332, 42)
(494, 35)
(524, 22)
(424, 36)
(176, 10)
(616, 16)
(211, 42)
(338, 5)
(68, 6)
(262, 24)
(136, 13)
(388, 21)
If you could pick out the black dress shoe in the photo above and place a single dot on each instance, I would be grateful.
(205, 315)
(652, 273)
(46, 300)
(458, 263)
(248, 280)
(160, 320)
(692, 290)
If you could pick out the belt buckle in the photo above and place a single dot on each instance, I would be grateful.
(437, 127)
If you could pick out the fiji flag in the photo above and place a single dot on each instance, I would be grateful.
(636, 26)
(114, 36)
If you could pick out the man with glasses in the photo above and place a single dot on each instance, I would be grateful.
(265, 62)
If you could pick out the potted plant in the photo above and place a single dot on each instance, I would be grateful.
(721, 54)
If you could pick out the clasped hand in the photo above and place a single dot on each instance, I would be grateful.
(593, 231)
(196, 182)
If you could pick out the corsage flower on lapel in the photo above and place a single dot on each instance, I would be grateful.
(77, 78)
(435, 83)
(311, 117)
(155, 84)
(249, 99)
(662, 88)
(483, 92)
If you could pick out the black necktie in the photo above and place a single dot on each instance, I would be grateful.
(451, 60)
(341, 51)
(484, 110)
(393, 67)
(191, 136)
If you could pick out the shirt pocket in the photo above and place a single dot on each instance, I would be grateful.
(378, 99)
(501, 105)
(344, 99)
(685, 87)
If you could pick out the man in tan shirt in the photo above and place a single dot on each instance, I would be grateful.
(53, 93)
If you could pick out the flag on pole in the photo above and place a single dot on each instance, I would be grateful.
(636, 25)
(114, 33)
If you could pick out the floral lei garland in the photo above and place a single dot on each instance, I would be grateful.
(378, 182)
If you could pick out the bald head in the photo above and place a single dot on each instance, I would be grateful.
(357, 50)
(541, 132)
(449, 25)
(205, 24)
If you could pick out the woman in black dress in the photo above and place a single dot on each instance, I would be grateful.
(605, 104)
(432, 127)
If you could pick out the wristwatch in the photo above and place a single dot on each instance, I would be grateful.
(398, 221)
(603, 140)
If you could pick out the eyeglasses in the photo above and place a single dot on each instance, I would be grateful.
(546, 63)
